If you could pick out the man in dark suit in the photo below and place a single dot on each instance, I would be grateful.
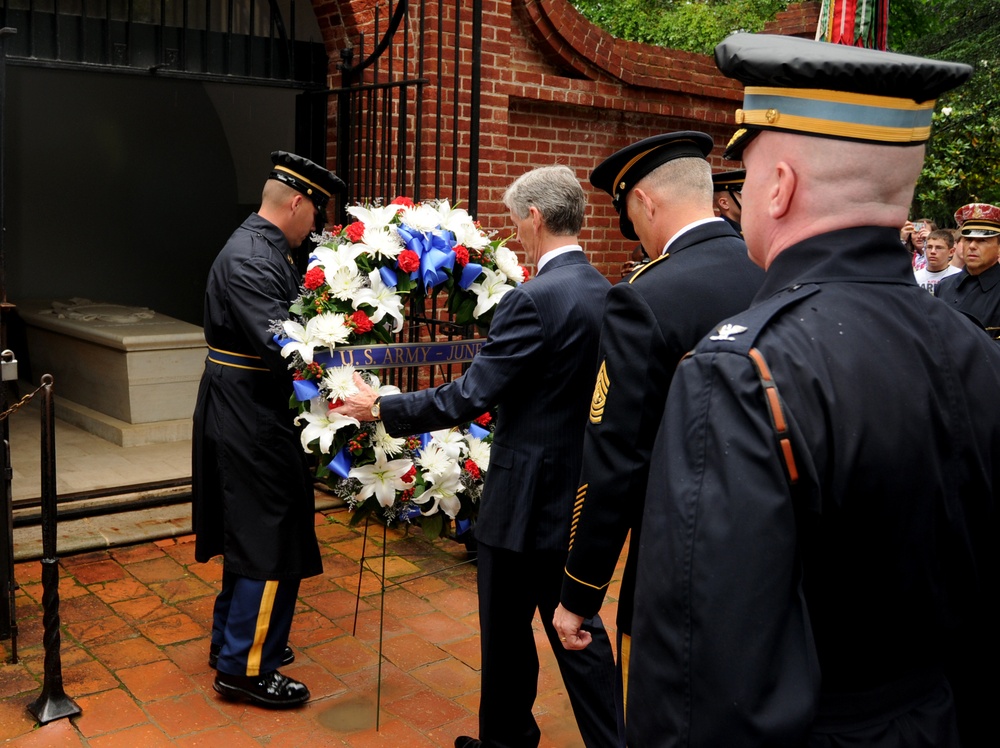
(662, 189)
(536, 366)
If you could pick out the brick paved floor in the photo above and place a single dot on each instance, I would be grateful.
(135, 627)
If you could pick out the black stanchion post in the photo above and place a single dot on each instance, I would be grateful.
(8, 584)
(8, 625)
(53, 703)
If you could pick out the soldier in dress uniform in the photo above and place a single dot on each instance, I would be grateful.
(976, 291)
(804, 579)
(252, 493)
(727, 188)
(662, 190)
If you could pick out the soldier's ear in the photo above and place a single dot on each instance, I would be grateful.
(782, 190)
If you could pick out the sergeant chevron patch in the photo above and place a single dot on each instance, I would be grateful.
(600, 394)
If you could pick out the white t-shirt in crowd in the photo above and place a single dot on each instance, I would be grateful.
(928, 280)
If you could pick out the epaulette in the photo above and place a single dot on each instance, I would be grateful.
(740, 332)
(643, 268)
(738, 335)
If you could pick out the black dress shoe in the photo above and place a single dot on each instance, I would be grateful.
(272, 690)
(464, 741)
(287, 658)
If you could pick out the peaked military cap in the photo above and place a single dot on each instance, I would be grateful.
(621, 171)
(729, 180)
(301, 174)
(832, 90)
(978, 220)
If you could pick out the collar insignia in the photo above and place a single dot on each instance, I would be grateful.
(726, 332)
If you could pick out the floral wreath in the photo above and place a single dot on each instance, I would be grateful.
(353, 294)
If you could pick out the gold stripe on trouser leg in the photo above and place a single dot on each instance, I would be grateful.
(625, 654)
(263, 621)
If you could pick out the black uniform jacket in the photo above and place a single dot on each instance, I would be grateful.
(537, 366)
(772, 614)
(650, 322)
(252, 495)
(976, 295)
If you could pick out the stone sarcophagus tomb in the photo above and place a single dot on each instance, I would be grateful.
(127, 374)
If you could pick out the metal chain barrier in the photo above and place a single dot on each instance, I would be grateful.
(23, 401)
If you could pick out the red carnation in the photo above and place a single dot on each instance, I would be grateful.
(472, 469)
(484, 420)
(408, 261)
(355, 231)
(315, 278)
(408, 476)
(403, 200)
(524, 270)
(461, 255)
(361, 322)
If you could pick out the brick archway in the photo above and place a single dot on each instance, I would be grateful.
(557, 89)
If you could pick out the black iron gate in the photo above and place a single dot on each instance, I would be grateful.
(407, 123)
(407, 114)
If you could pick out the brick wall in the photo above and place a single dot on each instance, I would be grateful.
(556, 89)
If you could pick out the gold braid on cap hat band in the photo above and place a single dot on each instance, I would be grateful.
(632, 161)
(880, 119)
(299, 176)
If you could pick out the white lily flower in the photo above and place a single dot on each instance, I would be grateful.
(479, 452)
(385, 444)
(338, 381)
(489, 291)
(334, 258)
(382, 299)
(383, 389)
(507, 263)
(374, 217)
(422, 217)
(382, 478)
(451, 441)
(321, 423)
(435, 461)
(443, 492)
(300, 341)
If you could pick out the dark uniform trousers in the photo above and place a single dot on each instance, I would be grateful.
(536, 367)
(511, 585)
(251, 623)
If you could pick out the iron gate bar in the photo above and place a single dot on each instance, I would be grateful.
(153, 40)
(477, 75)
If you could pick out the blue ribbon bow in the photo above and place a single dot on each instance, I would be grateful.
(478, 431)
(305, 389)
(341, 463)
(469, 274)
(388, 276)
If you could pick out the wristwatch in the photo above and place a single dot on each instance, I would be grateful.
(377, 408)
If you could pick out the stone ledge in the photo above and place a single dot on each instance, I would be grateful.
(120, 432)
